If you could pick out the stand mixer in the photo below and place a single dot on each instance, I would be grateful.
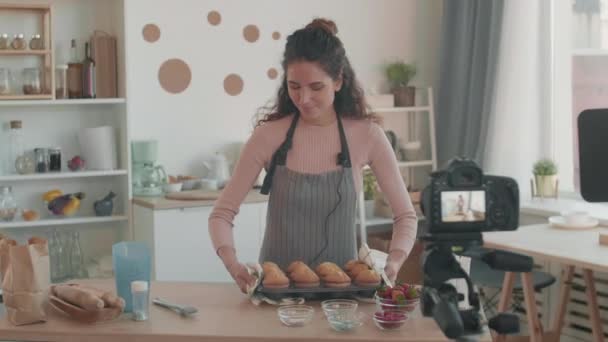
(148, 177)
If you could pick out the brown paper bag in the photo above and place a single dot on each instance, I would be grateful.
(25, 279)
(104, 53)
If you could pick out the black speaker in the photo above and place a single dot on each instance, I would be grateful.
(593, 154)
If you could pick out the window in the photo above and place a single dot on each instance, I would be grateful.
(580, 76)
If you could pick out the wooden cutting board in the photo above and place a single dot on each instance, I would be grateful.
(194, 195)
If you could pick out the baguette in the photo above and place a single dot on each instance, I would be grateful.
(79, 297)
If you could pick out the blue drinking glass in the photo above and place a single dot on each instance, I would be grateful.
(131, 261)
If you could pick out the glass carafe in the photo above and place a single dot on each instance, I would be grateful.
(6, 82)
(152, 176)
(31, 81)
(8, 205)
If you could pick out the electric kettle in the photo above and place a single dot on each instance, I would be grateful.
(216, 168)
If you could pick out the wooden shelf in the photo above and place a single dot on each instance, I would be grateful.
(63, 221)
(62, 175)
(21, 7)
(25, 52)
(51, 102)
(383, 110)
(26, 97)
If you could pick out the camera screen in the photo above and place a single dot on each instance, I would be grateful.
(463, 206)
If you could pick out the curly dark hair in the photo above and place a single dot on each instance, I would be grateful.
(317, 42)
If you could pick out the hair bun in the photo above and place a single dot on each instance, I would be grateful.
(325, 24)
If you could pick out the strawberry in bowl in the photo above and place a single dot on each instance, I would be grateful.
(402, 297)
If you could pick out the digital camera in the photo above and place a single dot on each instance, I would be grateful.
(461, 199)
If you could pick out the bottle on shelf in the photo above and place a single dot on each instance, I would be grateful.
(18, 160)
(74, 73)
(76, 261)
(88, 74)
(18, 42)
(4, 42)
(8, 205)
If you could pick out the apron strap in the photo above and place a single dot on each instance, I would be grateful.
(344, 155)
(280, 156)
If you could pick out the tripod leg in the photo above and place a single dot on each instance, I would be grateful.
(534, 325)
(505, 298)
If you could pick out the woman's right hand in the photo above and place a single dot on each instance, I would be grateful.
(237, 271)
(241, 276)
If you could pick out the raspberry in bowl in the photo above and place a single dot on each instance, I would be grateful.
(389, 320)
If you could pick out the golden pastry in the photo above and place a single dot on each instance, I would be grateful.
(336, 279)
(295, 265)
(368, 278)
(274, 276)
(327, 268)
(303, 276)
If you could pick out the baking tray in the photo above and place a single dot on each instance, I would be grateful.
(318, 293)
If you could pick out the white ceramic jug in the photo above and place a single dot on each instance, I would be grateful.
(217, 168)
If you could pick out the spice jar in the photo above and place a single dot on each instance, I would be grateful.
(55, 159)
(36, 43)
(31, 81)
(61, 81)
(4, 41)
(18, 42)
(8, 205)
(42, 160)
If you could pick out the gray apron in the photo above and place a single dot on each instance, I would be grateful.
(311, 217)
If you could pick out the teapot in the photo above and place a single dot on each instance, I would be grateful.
(217, 168)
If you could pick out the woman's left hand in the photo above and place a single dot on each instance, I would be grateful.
(395, 260)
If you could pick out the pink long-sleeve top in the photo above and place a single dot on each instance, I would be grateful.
(314, 150)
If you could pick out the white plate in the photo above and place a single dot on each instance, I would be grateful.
(560, 222)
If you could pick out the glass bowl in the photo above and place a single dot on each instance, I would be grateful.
(339, 306)
(390, 320)
(295, 315)
(387, 304)
(345, 322)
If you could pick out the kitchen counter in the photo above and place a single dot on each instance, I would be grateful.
(224, 315)
(162, 203)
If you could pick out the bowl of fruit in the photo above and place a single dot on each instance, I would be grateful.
(60, 204)
(390, 320)
(401, 297)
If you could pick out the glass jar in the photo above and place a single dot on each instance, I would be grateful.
(6, 81)
(55, 159)
(8, 205)
(18, 42)
(42, 160)
(61, 81)
(36, 43)
(4, 42)
(31, 81)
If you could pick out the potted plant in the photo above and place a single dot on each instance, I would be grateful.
(545, 177)
(369, 192)
(399, 74)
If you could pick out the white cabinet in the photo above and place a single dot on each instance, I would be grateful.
(181, 246)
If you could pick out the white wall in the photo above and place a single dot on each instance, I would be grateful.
(202, 119)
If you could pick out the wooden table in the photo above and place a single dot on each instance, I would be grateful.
(224, 315)
(568, 247)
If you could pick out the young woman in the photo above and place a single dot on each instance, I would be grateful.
(314, 143)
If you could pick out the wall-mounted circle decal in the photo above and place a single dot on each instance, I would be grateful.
(214, 18)
(272, 73)
(233, 84)
(251, 33)
(151, 33)
(276, 35)
(174, 75)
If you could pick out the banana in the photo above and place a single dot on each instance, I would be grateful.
(51, 195)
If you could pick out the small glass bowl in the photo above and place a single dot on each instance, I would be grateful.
(345, 322)
(295, 315)
(339, 306)
(387, 304)
(390, 320)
